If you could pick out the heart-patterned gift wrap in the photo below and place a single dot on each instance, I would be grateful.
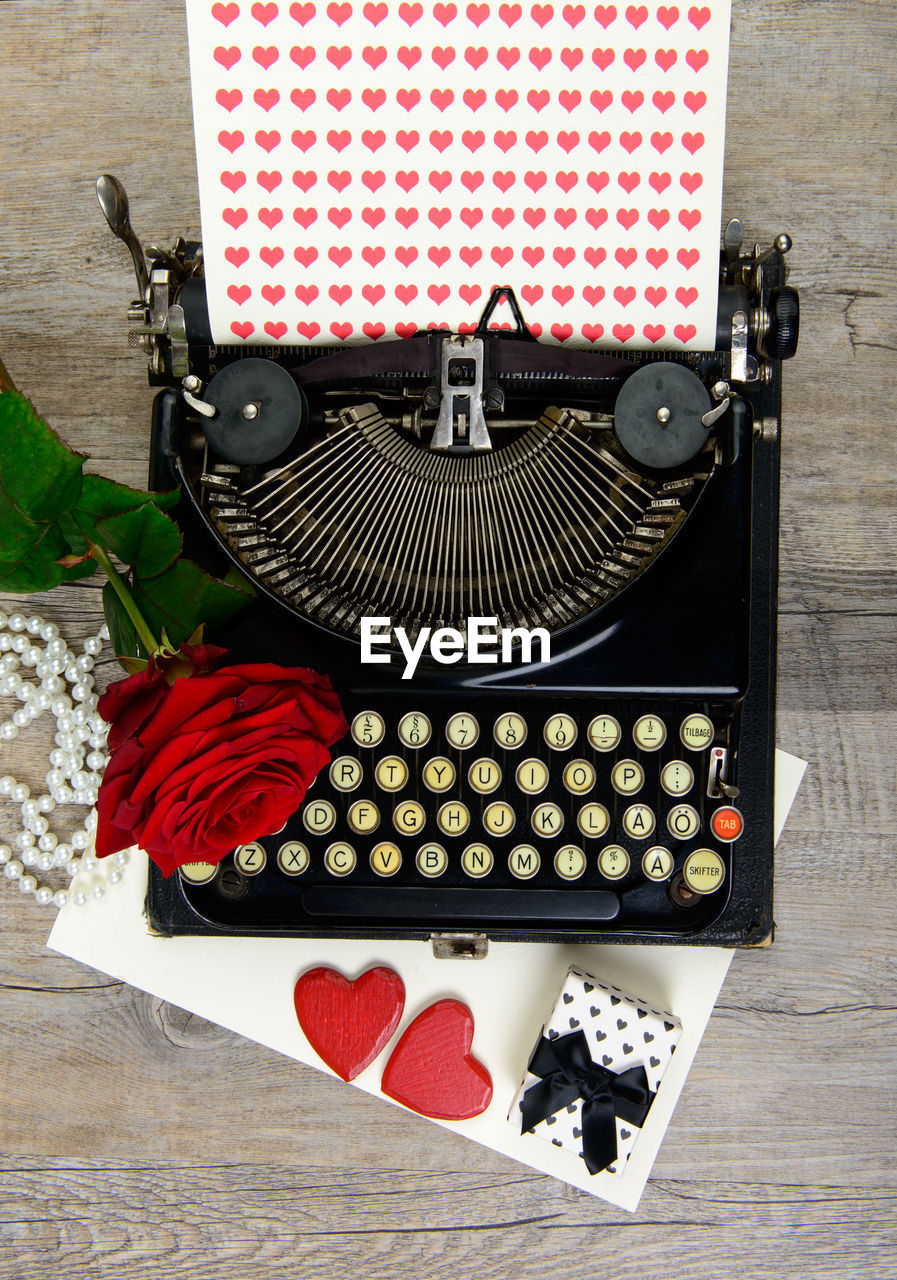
(432, 1071)
(348, 1023)
(368, 169)
(622, 1031)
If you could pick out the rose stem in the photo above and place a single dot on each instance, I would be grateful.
(147, 639)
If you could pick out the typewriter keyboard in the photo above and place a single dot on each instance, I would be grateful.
(445, 818)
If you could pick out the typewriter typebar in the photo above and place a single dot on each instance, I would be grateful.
(625, 505)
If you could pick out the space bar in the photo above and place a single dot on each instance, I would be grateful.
(430, 905)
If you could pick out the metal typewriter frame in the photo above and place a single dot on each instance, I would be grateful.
(732, 580)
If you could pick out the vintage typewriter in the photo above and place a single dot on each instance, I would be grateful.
(624, 506)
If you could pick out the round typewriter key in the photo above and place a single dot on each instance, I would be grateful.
(569, 862)
(627, 777)
(593, 820)
(385, 858)
(439, 774)
(346, 773)
(613, 862)
(499, 819)
(476, 861)
(704, 871)
(510, 731)
(532, 776)
(198, 872)
(638, 821)
(368, 729)
(453, 818)
(727, 824)
(484, 775)
(319, 817)
(657, 863)
(560, 733)
(659, 412)
(677, 778)
(391, 773)
(462, 730)
(683, 821)
(696, 732)
(523, 861)
(414, 729)
(292, 858)
(408, 817)
(604, 733)
(649, 733)
(339, 858)
(547, 820)
(431, 860)
(579, 777)
(251, 858)
(363, 817)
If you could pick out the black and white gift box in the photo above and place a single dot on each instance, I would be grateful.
(619, 1034)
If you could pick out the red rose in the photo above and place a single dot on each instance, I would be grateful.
(212, 760)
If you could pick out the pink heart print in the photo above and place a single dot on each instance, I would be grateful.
(577, 145)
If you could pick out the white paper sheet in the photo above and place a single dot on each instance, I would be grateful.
(370, 169)
(218, 979)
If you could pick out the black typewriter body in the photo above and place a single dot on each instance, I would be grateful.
(621, 791)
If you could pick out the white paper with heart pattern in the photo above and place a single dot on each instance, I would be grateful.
(368, 168)
(622, 1032)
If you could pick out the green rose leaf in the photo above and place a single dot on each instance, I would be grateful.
(37, 568)
(144, 538)
(101, 498)
(185, 595)
(40, 476)
(121, 629)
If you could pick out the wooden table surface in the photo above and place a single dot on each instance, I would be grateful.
(137, 1141)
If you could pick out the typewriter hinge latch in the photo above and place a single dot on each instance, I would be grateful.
(459, 946)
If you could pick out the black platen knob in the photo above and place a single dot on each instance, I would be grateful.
(784, 323)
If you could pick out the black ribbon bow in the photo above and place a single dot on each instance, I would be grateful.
(567, 1072)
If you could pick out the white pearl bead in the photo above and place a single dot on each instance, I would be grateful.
(57, 649)
(64, 794)
(47, 841)
(21, 792)
(23, 840)
(44, 895)
(84, 663)
(3, 620)
(60, 898)
(62, 854)
(39, 825)
(29, 857)
(79, 839)
(42, 700)
(31, 657)
(20, 644)
(95, 646)
(5, 642)
(60, 706)
(8, 731)
(14, 681)
(121, 858)
(5, 854)
(28, 884)
(96, 760)
(7, 784)
(16, 622)
(113, 875)
(79, 897)
(46, 804)
(30, 809)
(13, 870)
(33, 625)
(53, 684)
(98, 890)
(49, 631)
(21, 719)
(55, 779)
(44, 861)
(90, 822)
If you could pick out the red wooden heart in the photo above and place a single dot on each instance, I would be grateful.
(348, 1023)
(432, 1071)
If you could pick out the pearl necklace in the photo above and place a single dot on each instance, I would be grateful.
(76, 763)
